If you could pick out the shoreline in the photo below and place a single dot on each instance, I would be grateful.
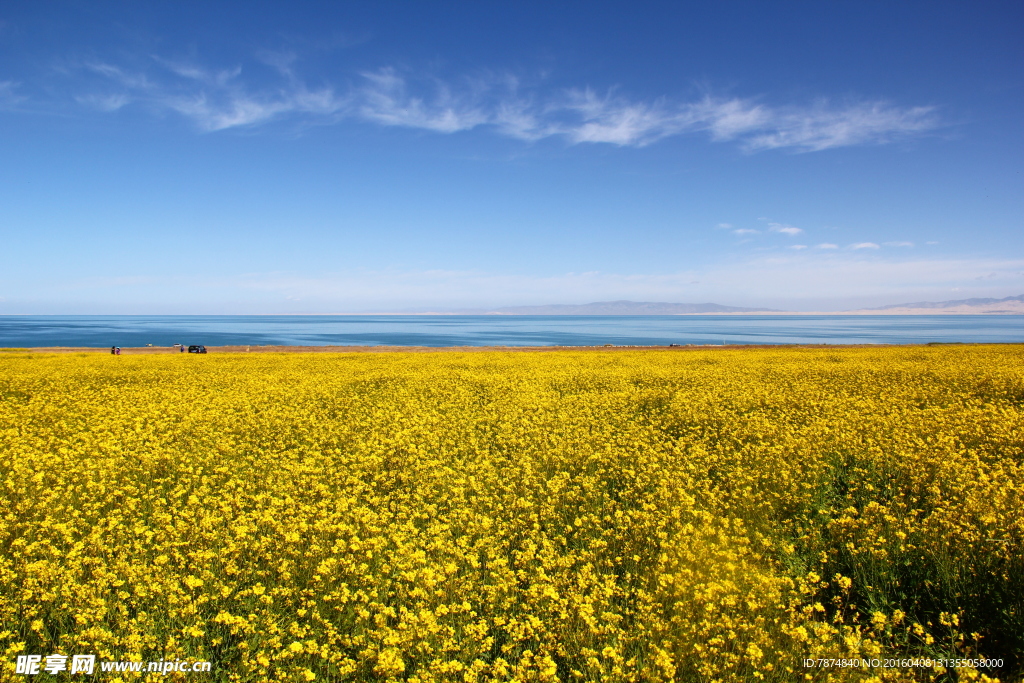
(964, 311)
(253, 348)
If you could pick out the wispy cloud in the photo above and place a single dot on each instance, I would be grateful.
(898, 244)
(784, 229)
(798, 279)
(856, 279)
(127, 78)
(9, 95)
(826, 245)
(385, 99)
(823, 126)
(212, 99)
(107, 103)
(745, 231)
(864, 245)
(217, 99)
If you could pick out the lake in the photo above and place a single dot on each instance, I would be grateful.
(503, 330)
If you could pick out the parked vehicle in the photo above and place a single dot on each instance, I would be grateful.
(197, 348)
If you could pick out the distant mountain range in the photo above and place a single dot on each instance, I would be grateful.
(1010, 304)
(627, 308)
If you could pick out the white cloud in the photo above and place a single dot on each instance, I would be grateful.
(123, 77)
(728, 119)
(585, 116)
(216, 99)
(799, 246)
(385, 99)
(864, 245)
(106, 103)
(745, 231)
(9, 96)
(724, 226)
(898, 244)
(855, 279)
(784, 229)
(826, 245)
(793, 279)
(217, 78)
(212, 99)
(823, 126)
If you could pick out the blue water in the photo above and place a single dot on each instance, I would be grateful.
(502, 330)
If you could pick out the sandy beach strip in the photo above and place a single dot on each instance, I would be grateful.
(150, 350)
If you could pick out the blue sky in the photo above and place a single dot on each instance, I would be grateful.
(262, 157)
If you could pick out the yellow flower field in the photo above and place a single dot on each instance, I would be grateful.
(640, 515)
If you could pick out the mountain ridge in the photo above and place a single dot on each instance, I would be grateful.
(950, 304)
(624, 307)
(1011, 305)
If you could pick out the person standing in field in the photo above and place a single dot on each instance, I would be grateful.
(113, 350)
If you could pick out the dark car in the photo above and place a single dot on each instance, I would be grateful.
(197, 348)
